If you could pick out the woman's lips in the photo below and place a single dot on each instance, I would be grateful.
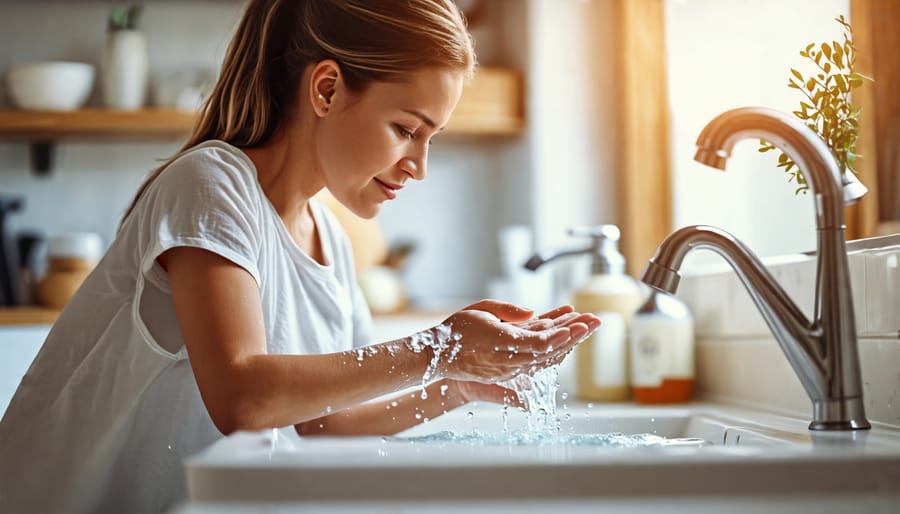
(388, 189)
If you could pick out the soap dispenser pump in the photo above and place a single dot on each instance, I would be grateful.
(601, 367)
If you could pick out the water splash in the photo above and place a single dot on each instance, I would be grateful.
(528, 437)
(538, 393)
(444, 344)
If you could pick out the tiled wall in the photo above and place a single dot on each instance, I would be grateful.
(738, 360)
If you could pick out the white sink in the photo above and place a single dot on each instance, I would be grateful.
(743, 452)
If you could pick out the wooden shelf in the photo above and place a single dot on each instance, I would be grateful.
(95, 124)
(27, 316)
(491, 104)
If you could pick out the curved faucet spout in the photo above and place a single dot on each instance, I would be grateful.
(823, 352)
(781, 314)
(830, 188)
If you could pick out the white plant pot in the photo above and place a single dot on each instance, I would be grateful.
(125, 70)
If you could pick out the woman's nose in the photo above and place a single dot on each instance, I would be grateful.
(415, 167)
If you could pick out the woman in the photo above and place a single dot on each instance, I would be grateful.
(228, 300)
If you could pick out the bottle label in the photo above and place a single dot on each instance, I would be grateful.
(660, 349)
(608, 343)
(647, 359)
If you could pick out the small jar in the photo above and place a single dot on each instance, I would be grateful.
(70, 259)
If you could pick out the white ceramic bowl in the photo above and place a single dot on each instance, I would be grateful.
(58, 86)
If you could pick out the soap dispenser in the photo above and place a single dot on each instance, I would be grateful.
(601, 367)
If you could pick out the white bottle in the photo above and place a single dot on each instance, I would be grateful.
(662, 350)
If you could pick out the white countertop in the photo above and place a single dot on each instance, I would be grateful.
(825, 504)
(758, 456)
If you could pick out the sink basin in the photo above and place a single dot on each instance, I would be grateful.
(682, 427)
(727, 451)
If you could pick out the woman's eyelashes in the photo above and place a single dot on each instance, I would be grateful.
(409, 134)
(404, 132)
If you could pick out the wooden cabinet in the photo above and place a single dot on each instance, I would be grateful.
(491, 104)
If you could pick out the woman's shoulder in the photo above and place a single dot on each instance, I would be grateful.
(211, 173)
(211, 160)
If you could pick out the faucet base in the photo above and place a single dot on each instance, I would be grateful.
(848, 424)
(842, 414)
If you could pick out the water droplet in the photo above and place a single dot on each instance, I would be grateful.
(424, 394)
(328, 409)
(568, 416)
(564, 396)
(394, 403)
(444, 388)
(470, 414)
(590, 406)
(418, 416)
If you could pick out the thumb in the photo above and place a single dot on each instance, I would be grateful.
(504, 311)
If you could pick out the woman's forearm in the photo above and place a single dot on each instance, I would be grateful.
(389, 416)
(280, 390)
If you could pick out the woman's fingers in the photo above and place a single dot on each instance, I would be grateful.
(502, 310)
(545, 323)
(555, 313)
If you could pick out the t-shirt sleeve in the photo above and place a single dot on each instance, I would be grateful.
(206, 200)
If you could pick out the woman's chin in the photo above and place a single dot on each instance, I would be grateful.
(367, 212)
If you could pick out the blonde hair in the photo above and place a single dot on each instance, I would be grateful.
(276, 40)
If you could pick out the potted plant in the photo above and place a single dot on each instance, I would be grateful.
(125, 60)
(826, 106)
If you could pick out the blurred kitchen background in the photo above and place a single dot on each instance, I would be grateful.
(594, 75)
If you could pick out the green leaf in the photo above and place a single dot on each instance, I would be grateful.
(838, 49)
(841, 83)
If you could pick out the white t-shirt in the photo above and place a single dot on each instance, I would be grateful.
(109, 408)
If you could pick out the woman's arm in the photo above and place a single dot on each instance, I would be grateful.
(406, 410)
(393, 415)
(244, 388)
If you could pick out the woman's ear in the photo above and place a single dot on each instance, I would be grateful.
(323, 86)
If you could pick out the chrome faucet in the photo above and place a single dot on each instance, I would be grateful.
(823, 352)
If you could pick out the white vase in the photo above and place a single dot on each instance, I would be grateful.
(125, 70)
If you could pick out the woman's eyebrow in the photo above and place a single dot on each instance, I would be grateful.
(422, 117)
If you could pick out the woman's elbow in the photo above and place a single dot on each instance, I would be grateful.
(234, 414)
